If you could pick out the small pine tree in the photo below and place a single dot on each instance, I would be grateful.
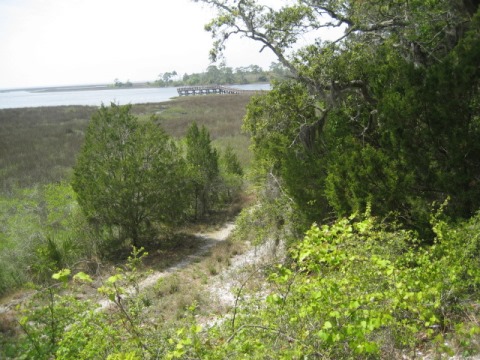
(230, 162)
(202, 161)
(232, 173)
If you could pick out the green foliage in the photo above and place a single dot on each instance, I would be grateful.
(352, 289)
(203, 169)
(387, 114)
(272, 218)
(231, 173)
(45, 317)
(357, 290)
(61, 326)
(230, 162)
(274, 122)
(124, 356)
(379, 181)
(224, 75)
(129, 175)
(44, 231)
(20, 224)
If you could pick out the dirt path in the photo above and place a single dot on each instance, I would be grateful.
(224, 286)
(210, 239)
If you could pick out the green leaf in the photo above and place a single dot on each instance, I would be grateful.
(323, 335)
(23, 320)
(335, 314)
(62, 275)
(197, 328)
(327, 325)
(274, 299)
(113, 279)
(81, 276)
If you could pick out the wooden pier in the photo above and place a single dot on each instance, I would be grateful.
(212, 89)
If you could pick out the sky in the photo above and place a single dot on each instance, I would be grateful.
(76, 42)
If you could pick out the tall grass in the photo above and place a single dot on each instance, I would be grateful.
(222, 115)
(39, 145)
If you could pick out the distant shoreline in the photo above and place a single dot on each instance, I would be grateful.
(94, 87)
(64, 88)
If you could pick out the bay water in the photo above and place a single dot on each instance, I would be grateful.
(96, 97)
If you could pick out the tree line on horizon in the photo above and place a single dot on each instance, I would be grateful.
(221, 75)
(216, 75)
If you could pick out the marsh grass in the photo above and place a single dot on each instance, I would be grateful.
(39, 145)
(222, 115)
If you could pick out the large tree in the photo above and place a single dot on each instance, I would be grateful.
(129, 175)
(387, 114)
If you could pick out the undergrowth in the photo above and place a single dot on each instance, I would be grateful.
(352, 289)
(358, 290)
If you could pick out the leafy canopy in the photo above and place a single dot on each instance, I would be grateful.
(386, 114)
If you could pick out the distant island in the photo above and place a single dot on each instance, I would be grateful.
(213, 75)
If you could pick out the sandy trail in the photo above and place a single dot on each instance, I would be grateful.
(224, 286)
(210, 239)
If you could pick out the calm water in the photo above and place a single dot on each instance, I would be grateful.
(19, 99)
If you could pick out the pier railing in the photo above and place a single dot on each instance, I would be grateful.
(212, 89)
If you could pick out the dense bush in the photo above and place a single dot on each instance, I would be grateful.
(203, 169)
(387, 114)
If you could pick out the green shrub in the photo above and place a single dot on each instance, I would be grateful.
(129, 176)
(42, 232)
(356, 289)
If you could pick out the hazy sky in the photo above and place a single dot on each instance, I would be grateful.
(67, 42)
